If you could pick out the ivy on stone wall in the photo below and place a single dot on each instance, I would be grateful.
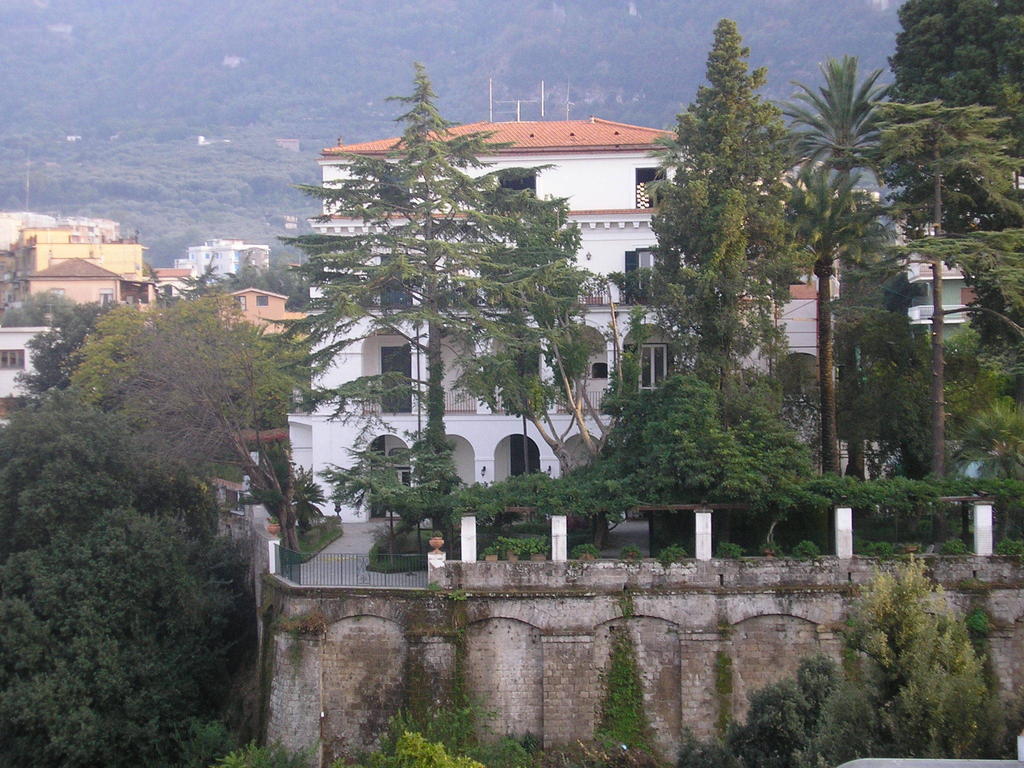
(723, 691)
(623, 719)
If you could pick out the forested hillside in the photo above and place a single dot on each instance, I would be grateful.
(140, 81)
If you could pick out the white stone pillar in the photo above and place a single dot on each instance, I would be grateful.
(435, 567)
(844, 533)
(469, 539)
(702, 537)
(559, 538)
(274, 552)
(982, 528)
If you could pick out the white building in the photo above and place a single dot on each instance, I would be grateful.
(225, 257)
(15, 358)
(603, 169)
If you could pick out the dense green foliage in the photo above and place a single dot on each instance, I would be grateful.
(122, 617)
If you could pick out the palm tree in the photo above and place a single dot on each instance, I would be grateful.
(992, 441)
(837, 124)
(834, 221)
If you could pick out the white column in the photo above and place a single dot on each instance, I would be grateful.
(559, 538)
(435, 567)
(844, 533)
(982, 528)
(274, 551)
(702, 535)
(469, 539)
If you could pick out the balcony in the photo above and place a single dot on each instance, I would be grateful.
(922, 314)
(459, 402)
(922, 273)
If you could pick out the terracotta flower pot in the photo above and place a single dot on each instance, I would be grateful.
(274, 529)
(491, 558)
(538, 557)
(436, 542)
(512, 557)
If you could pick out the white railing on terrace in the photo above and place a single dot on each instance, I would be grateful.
(922, 313)
(459, 402)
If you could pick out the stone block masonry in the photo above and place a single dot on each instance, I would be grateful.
(529, 642)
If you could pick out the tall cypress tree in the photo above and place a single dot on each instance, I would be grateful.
(723, 248)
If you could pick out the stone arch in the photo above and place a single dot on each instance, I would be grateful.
(362, 682)
(764, 649)
(505, 670)
(464, 458)
(508, 460)
(656, 641)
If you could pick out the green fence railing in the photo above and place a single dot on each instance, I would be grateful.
(343, 570)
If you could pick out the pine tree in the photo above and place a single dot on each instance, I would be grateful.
(723, 250)
(436, 263)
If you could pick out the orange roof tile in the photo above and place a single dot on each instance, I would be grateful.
(169, 272)
(536, 136)
(75, 268)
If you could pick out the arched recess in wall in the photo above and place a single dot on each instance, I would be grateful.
(798, 374)
(765, 649)
(362, 682)
(509, 460)
(505, 671)
(464, 459)
(656, 642)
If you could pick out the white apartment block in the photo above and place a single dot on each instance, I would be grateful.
(602, 168)
(224, 257)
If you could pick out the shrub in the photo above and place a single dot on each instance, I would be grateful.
(953, 547)
(585, 549)
(631, 552)
(673, 553)
(881, 549)
(806, 550)
(1010, 547)
(729, 550)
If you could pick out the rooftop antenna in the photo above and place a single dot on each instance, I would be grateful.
(518, 102)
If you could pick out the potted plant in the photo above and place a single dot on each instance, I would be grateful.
(536, 547)
(585, 552)
(436, 540)
(509, 546)
(273, 526)
(631, 552)
(491, 554)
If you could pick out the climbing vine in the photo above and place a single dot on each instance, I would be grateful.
(623, 719)
(723, 691)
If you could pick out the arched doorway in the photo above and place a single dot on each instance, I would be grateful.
(511, 460)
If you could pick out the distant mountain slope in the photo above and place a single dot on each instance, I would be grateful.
(156, 73)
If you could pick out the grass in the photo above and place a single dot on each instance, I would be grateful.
(319, 536)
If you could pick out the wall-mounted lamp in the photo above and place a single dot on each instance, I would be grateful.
(549, 469)
(483, 471)
(588, 257)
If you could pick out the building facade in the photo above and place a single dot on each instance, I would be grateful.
(604, 170)
(224, 257)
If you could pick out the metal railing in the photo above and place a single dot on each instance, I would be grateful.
(459, 402)
(343, 570)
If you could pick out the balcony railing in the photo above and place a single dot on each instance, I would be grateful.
(459, 402)
(922, 313)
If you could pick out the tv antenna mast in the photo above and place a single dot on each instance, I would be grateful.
(518, 102)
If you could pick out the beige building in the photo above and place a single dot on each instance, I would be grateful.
(82, 281)
(265, 308)
(39, 250)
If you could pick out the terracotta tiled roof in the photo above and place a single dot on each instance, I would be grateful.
(803, 291)
(537, 136)
(75, 268)
(170, 272)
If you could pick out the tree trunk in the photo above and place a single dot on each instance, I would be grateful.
(938, 375)
(826, 371)
(434, 433)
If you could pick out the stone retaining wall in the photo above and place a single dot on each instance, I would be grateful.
(529, 642)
